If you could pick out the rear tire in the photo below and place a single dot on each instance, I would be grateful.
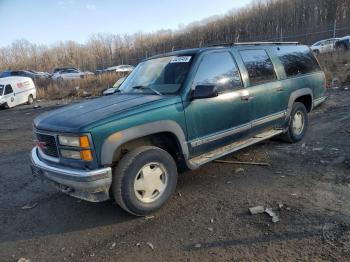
(30, 99)
(298, 124)
(144, 180)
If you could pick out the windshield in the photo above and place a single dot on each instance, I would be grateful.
(163, 75)
(1, 89)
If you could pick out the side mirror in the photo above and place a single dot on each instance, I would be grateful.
(204, 91)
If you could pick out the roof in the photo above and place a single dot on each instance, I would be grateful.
(14, 79)
(195, 51)
(345, 37)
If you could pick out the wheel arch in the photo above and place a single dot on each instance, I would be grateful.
(304, 96)
(165, 134)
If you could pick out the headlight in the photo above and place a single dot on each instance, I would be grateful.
(85, 155)
(75, 141)
(70, 154)
(81, 146)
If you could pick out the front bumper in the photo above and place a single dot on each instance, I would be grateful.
(90, 185)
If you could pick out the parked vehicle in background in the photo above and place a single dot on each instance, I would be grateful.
(16, 90)
(124, 68)
(343, 43)
(114, 89)
(5, 73)
(120, 69)
(324, 46)
(69, 74)
(62, 68)
(177, 111)
(40, 74)
(99, 71)
(30, 73)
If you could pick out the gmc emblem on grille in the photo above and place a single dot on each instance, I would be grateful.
(41, 145)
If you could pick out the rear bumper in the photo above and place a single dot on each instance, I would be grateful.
(90, 185)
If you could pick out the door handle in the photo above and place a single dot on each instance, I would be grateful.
(246, 97)
(279, 89)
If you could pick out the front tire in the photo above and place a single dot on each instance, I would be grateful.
(297, 125)
(144, 180)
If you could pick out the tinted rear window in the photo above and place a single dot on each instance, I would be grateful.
(259, 66)
(297, 60)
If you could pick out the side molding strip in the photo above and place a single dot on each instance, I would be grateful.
(212, 138)
(269, 118)
(238, 129)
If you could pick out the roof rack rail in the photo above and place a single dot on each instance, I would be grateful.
(253, 43)
(267, 43)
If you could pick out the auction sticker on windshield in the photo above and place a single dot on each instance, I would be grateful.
(181, 59)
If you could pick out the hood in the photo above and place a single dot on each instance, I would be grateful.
(74, 117)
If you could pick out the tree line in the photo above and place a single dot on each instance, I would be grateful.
(274, 20)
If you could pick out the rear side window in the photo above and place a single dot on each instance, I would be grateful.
(297, 60)
(259, 66)
(218, 69)
(8, 90)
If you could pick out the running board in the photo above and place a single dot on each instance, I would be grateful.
(235, 146)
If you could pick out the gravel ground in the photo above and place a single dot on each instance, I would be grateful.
(307, 185)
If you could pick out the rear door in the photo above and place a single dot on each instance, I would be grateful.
(69, 73)
(328, 46)
(74, 74)
(213, 122)
(301, 69)
(268, 98)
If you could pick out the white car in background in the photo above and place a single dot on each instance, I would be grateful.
(120, 69)
(16, 90)
(324, 46)
(69, 73)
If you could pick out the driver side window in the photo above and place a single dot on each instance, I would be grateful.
(218, 69)
(8, 90)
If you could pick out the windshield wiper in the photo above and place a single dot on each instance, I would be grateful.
(147, 87)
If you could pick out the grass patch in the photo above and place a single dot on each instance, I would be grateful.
(77, 88)
(336, 66)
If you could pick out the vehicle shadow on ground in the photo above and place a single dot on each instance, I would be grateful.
(58, 214)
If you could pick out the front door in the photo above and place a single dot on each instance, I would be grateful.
(213, 122)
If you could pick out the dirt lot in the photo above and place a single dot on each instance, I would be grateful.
(207, 219)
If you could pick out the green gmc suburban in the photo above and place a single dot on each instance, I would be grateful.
(176, 111)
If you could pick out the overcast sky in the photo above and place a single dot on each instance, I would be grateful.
(49, 21)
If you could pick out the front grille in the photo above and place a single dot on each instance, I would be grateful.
(47, 144)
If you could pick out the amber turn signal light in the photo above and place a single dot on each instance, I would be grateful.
(86, 155)
(84, 142)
